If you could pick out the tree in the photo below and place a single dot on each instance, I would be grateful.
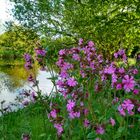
(16, 41)
(111, 24)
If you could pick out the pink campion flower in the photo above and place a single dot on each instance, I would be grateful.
(121, 52)
(53, 113)
(82, 74)
(76, 57)
(116, 55)
(71, 115)
(128, 83)
(100, 130)
(80, 41)
(59, 128)
(109, 70)
(30, 78)
(86, 123)
(63, 74)
(121, 110)
(62, 52)
(98, 139)
(92, 65)
(70, 105)
(119, 86)
(72, 82)
(67, 66)
(121, 70)
(86, 111)
(135, 71)
(112, 121)
(40, 52)
(127, 104)
(124, 58)
(136, 91)
(77, 114)
(139, 109)
(90, 44)
(60, 83)
(114, 79)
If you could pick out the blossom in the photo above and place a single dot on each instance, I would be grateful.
(53, 113)
(40, 52)
(27, 57)
(119, 86)
(90, 44)
(71, 82)
(138, 109)
(62, 52)
(25, 137)
(121, 110)
(76, 57)
(109, 70)
(112, 121)
(80, 41)
(128, 83)
(136, 91)
(70, 105)
(100, 130)
(121, 70)
(30, 78)
(59, 128)
(135, 71)
(86, 123)
(126, 105)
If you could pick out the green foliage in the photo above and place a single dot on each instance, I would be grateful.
(112, 24)
(16, 41)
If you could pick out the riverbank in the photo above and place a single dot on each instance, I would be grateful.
(31, 120)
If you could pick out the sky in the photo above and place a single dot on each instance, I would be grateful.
(5, 13)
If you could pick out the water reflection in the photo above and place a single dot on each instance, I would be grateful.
(13, 79)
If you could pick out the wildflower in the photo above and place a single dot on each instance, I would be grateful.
(139, 109)
(116, 55)
(90, 44)
(62, 52)
(70, 105)
(71, 115)
(80, 41)
(128, 83)
(77, 114)
(136, 91)
(112, 121)
(40, 52)
(27, 57)
(127, 104)
(53, 113)
(86, 123)
(30, 78)
(121, 110)
(109, 70)
(76, 57)
(135, 71)
(25, 137)
(100, 130)
(63, 74)
(121, 70)
(59, 128)
(72, 82)
(119, 86)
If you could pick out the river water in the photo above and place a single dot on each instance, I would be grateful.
(13, 80)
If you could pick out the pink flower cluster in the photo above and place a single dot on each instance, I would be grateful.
(82, 66)
(128, 106)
